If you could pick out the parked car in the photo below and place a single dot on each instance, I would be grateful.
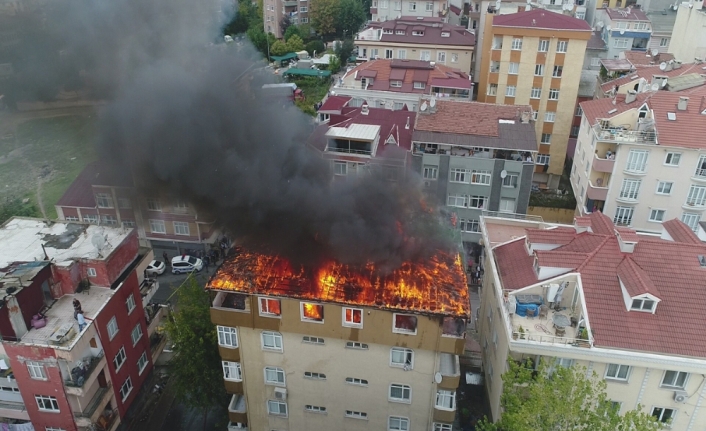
(185, 263)
(156, 268)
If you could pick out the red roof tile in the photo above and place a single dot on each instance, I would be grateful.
(80, 192)
(639, 58)
(539, 18)
(408, 71)
(560, 258)
(627, 234)
(598, 108)
(432, 27)
(468, 118)
(635, 279)
(689, 128)
(334, 104)
(627, 14)
(680, 232)
(595, 42)
(648, 72)
(515, 266)
(584, 221)
(601, 223)
(557, 236)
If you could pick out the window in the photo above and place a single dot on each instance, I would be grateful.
(400, 393)
(353, 317)
(516, 44)
(47, 404)
(507, 205)
(696, 196)
(492, 90)
(442, 427)
(119, 359)
(419, 86)
(454, 58)
(510, 91)
(412, 6)
(314, 376)
(269, 307)
(536, 93)
(109, 220)
(157, 226)
(664, 42)
(71, 218)
(445, 400)
(401, 357)
(104, 200)
(130, 303)
(549, 117)
(513, 68)
(553, 94)
(303, 9)
(36, 370)
(271, 340)
(640, 26)
(469, 225)
(511, 179)
(637, 160)
(128, 223)
(691, 220)
(700, 168)
(480, 177)
(388, 53)
(441, 56)
(543, 45)
(312, 312)
(278, 408)
(617, 372)
(154, 205)
(142, 363)
(623, 215)
(314, 409)
(91, 272)
(355, 381)
(642, 305)
(657, 215)
(356, 415)
(460, 175)
(672, 159)
(112, 328)
(274, 376)
(136, 334)
(675, 379)
(396, 423)
(430, 6)
(630, 189)
(558, 70)
(543, 159)
(356, 345)
(595, 62)
(580, 14)
(181, 228)
(425, 55)
(546, 138)
(90, 218)
(620, 43)
(312, 340)
(574, 131)
(579, 111)
(538, 70)
(402, 54)
(339, 168)
(663, 415)
(232, 371)
(430, 172)
(227, 337)
(498, 42)
(478, 201)
(562, 45)
(126, 388)
(404, 323)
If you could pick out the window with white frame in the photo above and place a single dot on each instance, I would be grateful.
(128, 223)
(664, 42)
(543, 159)
(47, 404)
(71, 218)
(425, 55)
(104, 200)
(126, 388)
(558, 71)
(36, 370)
(420, 85)
(630, 189)
(356, 381)
(157, 226)
(623, 215)
(303, 9)
(136, 333)
(460, 175)
(340, 168)
(663, 415)
(510, 90)
(353, 317)
(562, 45)
(404, 323)
(314, 409)
(620, 43)
(696, 196)
(142, 363)
(430, 6)
(675, 379)
(441, 56)
(227, 337)
(271, 340)
(553, 94)
(595, 62)
(388, 53)
(546, 138)
(471, 226)
(664, 188)
(507, 205)
(232, 371)
(270, 307)
(480, 177)
(112, 328)
(109, 220)
(445, 400)
(617, 372)
(397, 423)
(672, 159)
(356, 345)
(460, 201)
(516, 44)
(356, 415)
(154, 205)
(119, 359)
(511, 179)
(311, 312)
(497, 42)
(401, 357)
(478, 202)
(513, 68)
(314, 376)
(442, 427)
(130, 303)
(657, 215)
(454, 58)
(412, 6)
(549, 116)
(643, 304)
(691, 220)
(640, 26)
(90, 218)
(91, 272)
(543, 45)
(538, 70)
(274, 376)
(637, 161)
(535, 115)
(536, 93)
(492, 90)
(277, 408)
(580, 14)
(402, 54)
(430, 172)
(181, 228)
(400, 393)
(313, 340)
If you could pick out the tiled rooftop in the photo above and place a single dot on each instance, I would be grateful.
(409, 72)
(638, 58)
(334, 104)
(596, 42)
(680, 232)
(432, 28)
(541, 19)
(627, 14)
(689, 127)
(557, 236)
(648, 72)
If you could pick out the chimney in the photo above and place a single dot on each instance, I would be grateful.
(407, 125)
(525, 117)
(683, 103)
(364, 109)
(631, 96)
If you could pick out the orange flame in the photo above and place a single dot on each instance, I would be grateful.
(436, 286)
(313, 311)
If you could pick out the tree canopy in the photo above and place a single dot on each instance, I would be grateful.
(323, 15)
(344, 50)
(558, 399)
(278, 48)
(295, 44)
(350, 18)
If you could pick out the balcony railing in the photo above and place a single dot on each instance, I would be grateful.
(700, 173)
(95, 402)
(603, 165)
(624, 136)
(596, 193)
(81, 373)
(348, 150)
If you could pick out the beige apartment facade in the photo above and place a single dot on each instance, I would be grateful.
(540, 67)
(667, 386)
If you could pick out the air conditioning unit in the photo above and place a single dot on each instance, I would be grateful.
(281, 394)
(680, 396)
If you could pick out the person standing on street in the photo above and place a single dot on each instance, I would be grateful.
(166, 258)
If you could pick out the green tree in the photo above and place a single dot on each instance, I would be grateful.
(334, 64)
(285, 23)
(295, 43)
(278, 48)
(291, 31)
(315, 46)
(560, 399)
(323, 16)
(350, 18)
(195, 368)
(344, 51)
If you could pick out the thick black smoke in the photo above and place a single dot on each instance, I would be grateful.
(187, 120)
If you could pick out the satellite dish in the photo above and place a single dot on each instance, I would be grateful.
(503, 174)
(437, 378)
(662, 65)
(622, 31)
(655, 52)
(432, 102)
(424, 106)
(98, 242)
(654, 87)
(664, 83)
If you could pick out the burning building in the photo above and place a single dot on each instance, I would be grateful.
(306, 347)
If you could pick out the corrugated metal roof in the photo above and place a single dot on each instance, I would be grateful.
(363, 132)
(684, 82)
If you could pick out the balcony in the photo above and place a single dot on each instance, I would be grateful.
(603, 165)
(13, 410)
(91, 413)
(694, 204)
(83, 375)
(148, 288)
(699, 175)
(157, 343)
(290, 3)
(621, 135)
(231, 309)
(237, 409)
(154, 314)
(596, 193)
(237, 426)
(450, 370)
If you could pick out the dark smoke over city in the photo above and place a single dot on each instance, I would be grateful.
(185, 118)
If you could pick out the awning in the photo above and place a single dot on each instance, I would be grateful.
(284, 57)
(616, 65)
(307, 72)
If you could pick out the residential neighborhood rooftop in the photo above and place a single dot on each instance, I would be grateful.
(420, 30)
(639, 58)
(627, 14)
(648, 72)
(541, 19)
(405, 73)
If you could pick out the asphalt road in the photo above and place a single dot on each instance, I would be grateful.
(169, 283)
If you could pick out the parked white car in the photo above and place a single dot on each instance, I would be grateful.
(185, 263)
(156, 268)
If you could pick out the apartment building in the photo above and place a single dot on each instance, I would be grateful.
(623, 305)
(643, 78)
(640, 160)
(383, 10)
(98, 196)
(337, 347)
(535, 58)
(417, 38)
(626, 29)
(394, 84)
(274, 11)
(61, 375)
(474, 158)
(688, 40)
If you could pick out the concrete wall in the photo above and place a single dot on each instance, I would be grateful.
(553, 215)
(387, 10)
(688, 38)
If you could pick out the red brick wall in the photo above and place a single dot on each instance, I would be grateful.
(31, 299)
(66, 278)
(53, 386)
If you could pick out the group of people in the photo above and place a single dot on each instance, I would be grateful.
(79, 316)
(476, 274)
